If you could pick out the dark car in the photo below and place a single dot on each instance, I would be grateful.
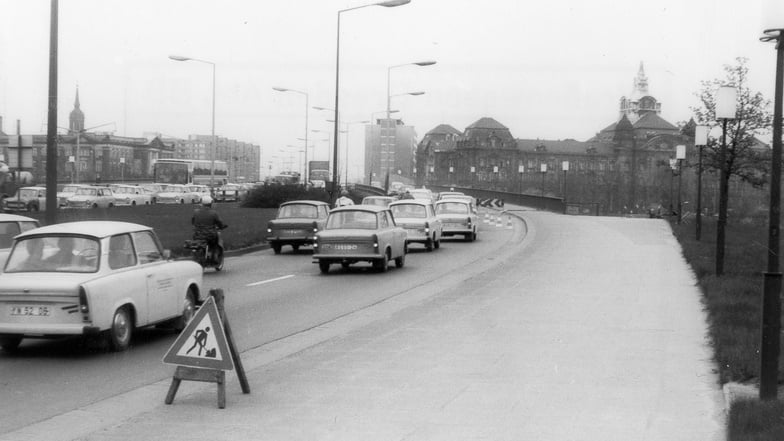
(296, 224)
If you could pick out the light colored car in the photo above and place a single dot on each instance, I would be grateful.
(381, 201)
(131, 195)
(26, 199)
(201, 190)
(459, 217)
(10, 226)
(177, 194)
(360, 233)
(296, 224)
(446, 194)
(67, 191)
(460, 197)
(93, 278)
(92, 197)
(153, 190)
(230, 193)
(419, 219)
(422, 193)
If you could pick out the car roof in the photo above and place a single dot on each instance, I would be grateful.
(15, 218)
(373, 208)
(309, 202)
(411, 202)
(88, 228)
(34, 187)
(453, 200)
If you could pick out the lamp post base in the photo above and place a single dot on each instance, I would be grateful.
(771, 328)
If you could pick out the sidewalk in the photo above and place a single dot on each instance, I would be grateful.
(539, 347)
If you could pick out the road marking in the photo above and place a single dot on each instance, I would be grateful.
(270, 280)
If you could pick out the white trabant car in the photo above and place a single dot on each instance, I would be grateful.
(153, 190)
(93, 278)
(26, 199)
(67, 191)
(92, 197)
(200, 190)
(381, 201)
(131, 195)
(177, 194)
(360, 233)
(419, 219)
(10, 226)
(459, 217)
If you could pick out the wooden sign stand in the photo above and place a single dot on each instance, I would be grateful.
(212, 375)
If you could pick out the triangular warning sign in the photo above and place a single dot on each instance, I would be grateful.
(202, 343)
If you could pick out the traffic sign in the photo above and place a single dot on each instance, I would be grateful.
(203, 342)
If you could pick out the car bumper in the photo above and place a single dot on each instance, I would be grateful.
(47, 330)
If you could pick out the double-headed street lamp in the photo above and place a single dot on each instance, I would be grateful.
(212, 150)
(389, 71)
(771, 300)
(283, 89)
(387, 4)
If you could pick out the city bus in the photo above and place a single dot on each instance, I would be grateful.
(189, 171)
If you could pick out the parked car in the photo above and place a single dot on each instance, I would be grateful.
(92, 197)
(458, 217)
(93, 278)
(381, 201)
(177, 194)
(200, 190)
(419, 219)
(131, 195)
(153, 190)
(67, 191)
(230, 193)
(296, 224)
(10, 226)
(360, 233)
(26, 199)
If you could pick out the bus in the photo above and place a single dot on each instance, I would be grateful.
(189, 171)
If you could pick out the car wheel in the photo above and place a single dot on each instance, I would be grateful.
(276, 248)
(121, 329)
(345, 265)
(295, 248)
(323, 266)
(133, 203)
(473, 236)
(381, 265)
(437, 243)
(188, 311)
(95, 205)
(429, 245)
(110, 205)
(400, 261)
(219, 259)
(182, 201)
(10, 343)
(33, 207)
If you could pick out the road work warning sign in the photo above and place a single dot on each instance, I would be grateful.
(203, 343)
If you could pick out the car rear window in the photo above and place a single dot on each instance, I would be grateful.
(61, 254)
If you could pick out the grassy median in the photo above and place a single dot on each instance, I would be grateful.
(172, 223)
(733, 304)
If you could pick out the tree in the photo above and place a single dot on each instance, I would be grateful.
(745, 156)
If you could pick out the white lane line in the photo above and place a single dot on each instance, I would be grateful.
(270, 280)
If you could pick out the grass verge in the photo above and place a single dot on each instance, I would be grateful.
(733, 304)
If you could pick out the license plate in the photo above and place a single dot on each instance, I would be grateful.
(343, 247)
(452, 225)
(33, 311)
(292, 232)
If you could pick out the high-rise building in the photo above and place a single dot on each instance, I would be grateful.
(390, 149)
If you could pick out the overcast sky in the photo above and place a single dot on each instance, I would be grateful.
(550, 69)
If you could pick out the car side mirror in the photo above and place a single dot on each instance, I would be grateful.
(167, 254)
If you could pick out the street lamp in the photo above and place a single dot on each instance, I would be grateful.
(543, 170)
(387, 4)
(521, 170)
(771, 300)
(283, 89)
(389, 71)
(212, 150)
(680, 155)
(726, 101)
(565, 168)
(700, 141)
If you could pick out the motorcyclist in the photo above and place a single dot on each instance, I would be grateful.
(206, 224)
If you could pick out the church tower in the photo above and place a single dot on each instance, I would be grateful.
(76, 119)
(640, 102)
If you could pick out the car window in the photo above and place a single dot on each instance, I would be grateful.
(298, 210)
(147, 247)
(452, 208)
(121, 254)
(354, 219)
(7, 232)
(409, 210)
(54, 254)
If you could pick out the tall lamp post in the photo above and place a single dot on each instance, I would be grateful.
(212, 150)
(306, 177)
(700, 141)
(680, 155)
(726, 98)
(771, 300)
(543, 171)
(565, 168)
(387, 4)
(389, 72)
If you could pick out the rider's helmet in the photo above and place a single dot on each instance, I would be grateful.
(206, 201)
(344, 193)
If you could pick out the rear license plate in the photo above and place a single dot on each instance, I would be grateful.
(33, 311)
(292, 232)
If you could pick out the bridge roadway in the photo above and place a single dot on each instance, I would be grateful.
(561, 327)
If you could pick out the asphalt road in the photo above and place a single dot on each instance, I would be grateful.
(268, 298)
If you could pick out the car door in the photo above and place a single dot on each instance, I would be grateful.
(162, 296)
(125, 281)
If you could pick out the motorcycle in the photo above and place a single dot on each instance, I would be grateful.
(204, 255)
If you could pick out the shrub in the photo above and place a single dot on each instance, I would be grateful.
(271, 196)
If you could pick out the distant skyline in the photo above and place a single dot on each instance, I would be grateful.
(551, 70)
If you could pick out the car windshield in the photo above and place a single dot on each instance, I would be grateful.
(61, 254)
(86, 191)
(27, 193)
(350, 219)
(452, 208)
(376, 201)
(298, 210)
(409, 210)
(70, 189)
